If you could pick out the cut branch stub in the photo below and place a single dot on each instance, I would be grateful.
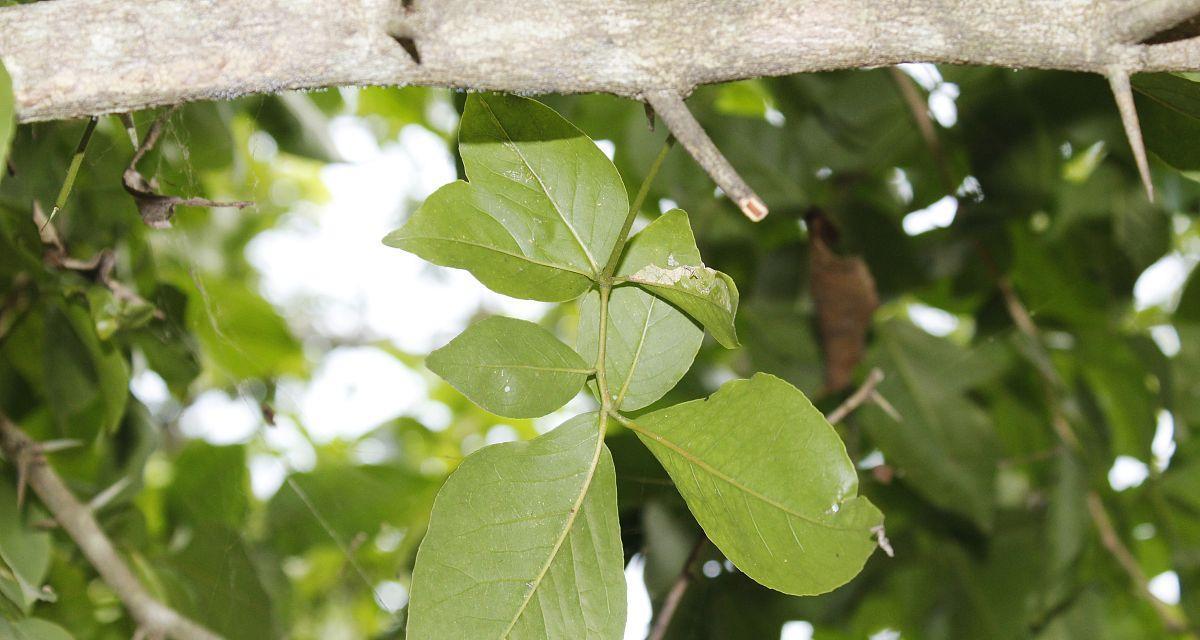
(683, 125)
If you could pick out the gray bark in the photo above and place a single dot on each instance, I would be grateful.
(73, 58)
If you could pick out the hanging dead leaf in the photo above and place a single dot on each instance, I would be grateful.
(845, 296)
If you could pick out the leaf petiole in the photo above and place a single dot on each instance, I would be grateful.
(611, 266)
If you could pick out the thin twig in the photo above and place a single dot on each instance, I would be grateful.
(611, 266)
(151, 615)
(670, 107)
(157, 209)
(861, 395)
(678, 588)
(919, 110)
(73, 168)
(1172, 619)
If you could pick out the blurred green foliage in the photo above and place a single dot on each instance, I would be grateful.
(986, 509)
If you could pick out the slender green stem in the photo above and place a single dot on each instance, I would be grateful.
(601, 374)
(638, 201)
(73, 169)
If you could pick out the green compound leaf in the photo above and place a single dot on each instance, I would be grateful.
(651, 344)
(664, 260)
(512, 368)
(541, 212)
(769, 481)
(524, 543)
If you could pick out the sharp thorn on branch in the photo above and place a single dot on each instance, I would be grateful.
(669, 106)
(1118, 80)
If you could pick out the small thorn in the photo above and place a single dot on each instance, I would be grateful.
(409, 45)
(1118, 80)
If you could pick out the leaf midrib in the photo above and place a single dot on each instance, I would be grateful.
(511, 144)
(536, 583)
(720, 475)
(637, 354)
(549, 265)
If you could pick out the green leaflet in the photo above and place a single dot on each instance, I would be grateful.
(7, 119)
(24, 553)
(663, 259)
(944, 442)
(524, 543)
(651, 344)
(512, 368)
(769, 481)
(541, 212)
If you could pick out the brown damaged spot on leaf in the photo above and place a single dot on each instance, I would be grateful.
(845, 297)
(157, 209)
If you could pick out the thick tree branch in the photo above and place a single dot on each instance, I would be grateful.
(1148, 17)
(73, 58)
(153, 617)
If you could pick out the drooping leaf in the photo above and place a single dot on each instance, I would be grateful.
(87, 379)
(541, 212)
(511, 367)
(663, 260)
(24, 553)
(7, 117)
(651, 344)
(769, 481)
(524, 543)
(943, 442)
